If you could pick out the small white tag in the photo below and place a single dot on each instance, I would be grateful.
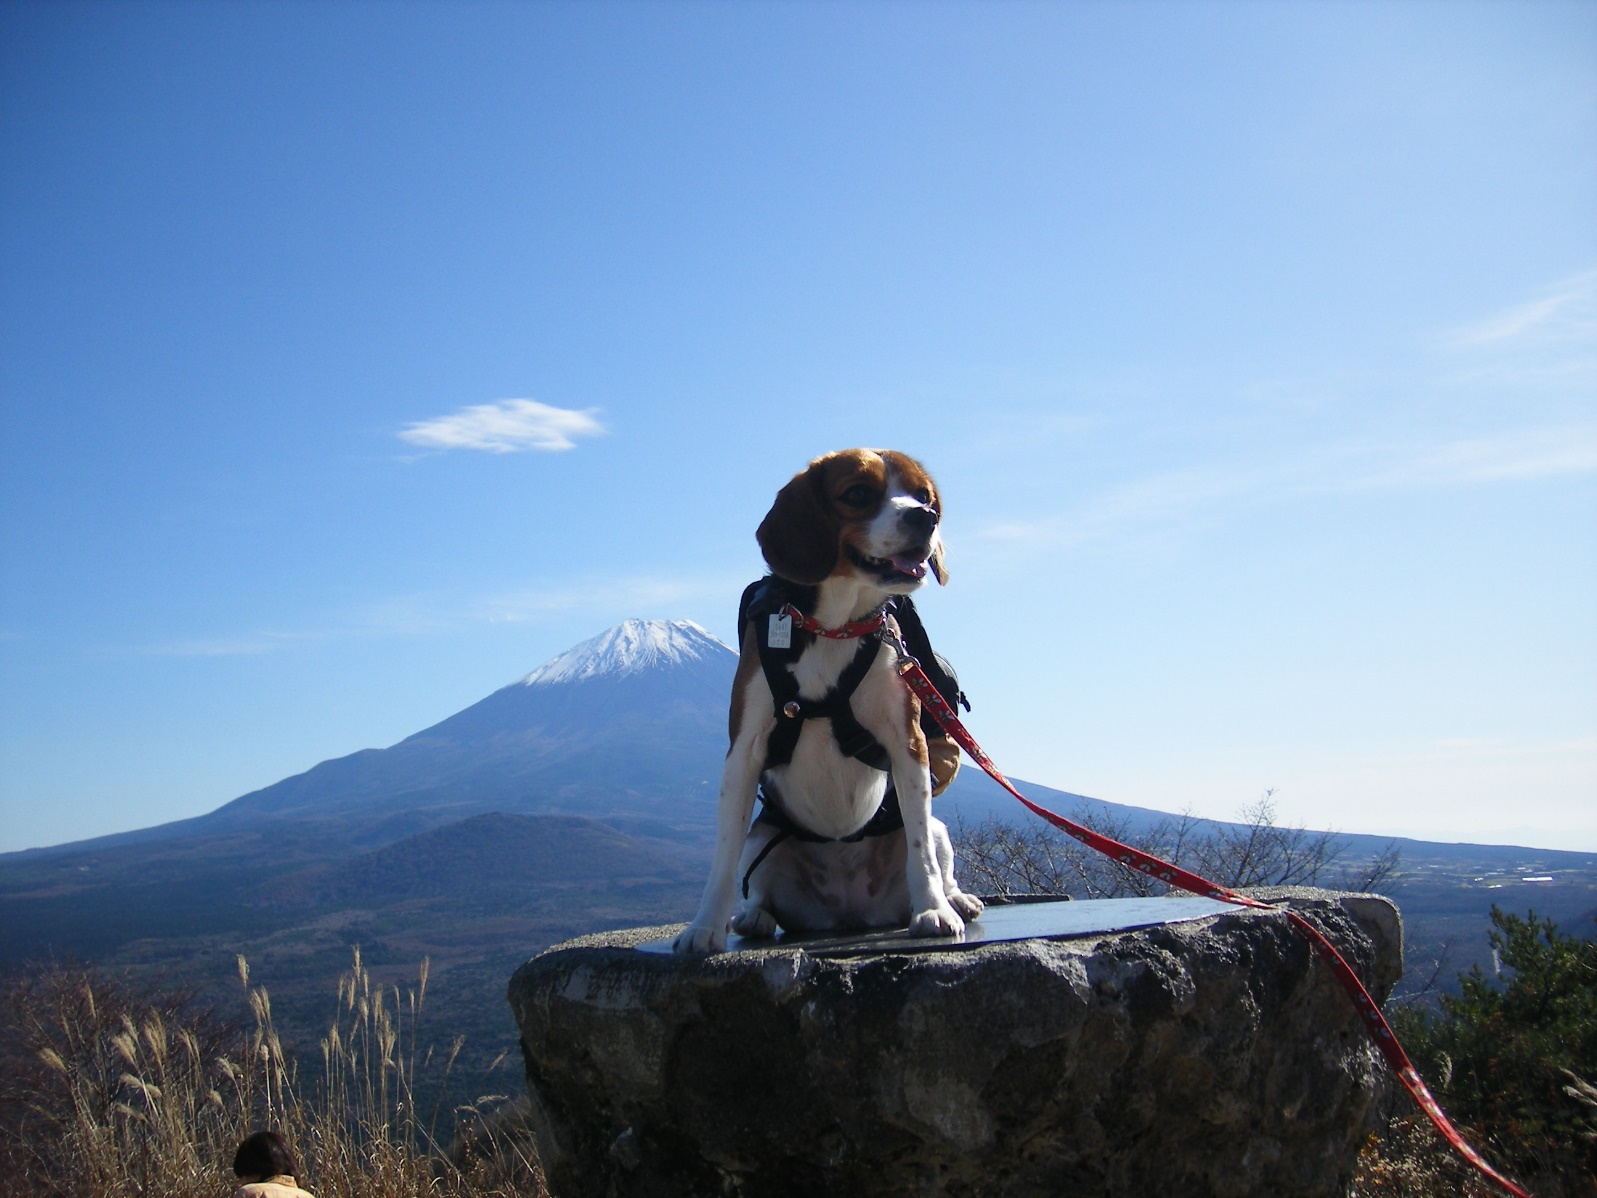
(779, 633)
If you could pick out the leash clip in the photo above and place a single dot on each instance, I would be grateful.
(906, 660)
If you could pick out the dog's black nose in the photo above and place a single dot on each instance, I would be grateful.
(921, 519)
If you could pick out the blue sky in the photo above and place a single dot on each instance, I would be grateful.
(1254, 347)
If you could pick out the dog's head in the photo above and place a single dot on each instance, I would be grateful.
(868, 513)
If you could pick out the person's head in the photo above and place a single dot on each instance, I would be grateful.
(264, 1154)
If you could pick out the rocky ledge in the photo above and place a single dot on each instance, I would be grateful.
(1212, 1057)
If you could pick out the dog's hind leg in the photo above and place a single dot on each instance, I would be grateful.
(753, 918)
(753, 921)
(968, 905)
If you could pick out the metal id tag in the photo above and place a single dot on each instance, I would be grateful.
(779, 632)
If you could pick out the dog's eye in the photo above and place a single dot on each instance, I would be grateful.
(858, 495)
(923, 495)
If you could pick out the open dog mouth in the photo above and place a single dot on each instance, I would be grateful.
(900, 566)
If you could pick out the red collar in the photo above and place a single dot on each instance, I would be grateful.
(872, 623)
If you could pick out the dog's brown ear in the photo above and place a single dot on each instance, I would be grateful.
(939, 564)
(799, 535)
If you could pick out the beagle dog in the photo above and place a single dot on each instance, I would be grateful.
(822, 727)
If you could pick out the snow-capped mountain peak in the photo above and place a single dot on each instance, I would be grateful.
(629, 648)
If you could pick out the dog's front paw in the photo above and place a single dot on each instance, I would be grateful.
(941, 920)
(754, 922)
(967, 905)
(700, 938)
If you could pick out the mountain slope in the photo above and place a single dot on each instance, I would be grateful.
(629, 726)
(629, 723)
(488, 860)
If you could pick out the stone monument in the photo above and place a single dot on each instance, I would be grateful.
(1108, 1048)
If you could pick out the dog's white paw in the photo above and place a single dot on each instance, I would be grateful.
(967, 905)
(941, 920)
(755, 922)
(697, 938)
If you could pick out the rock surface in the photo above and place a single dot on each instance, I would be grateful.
(1217, 1057)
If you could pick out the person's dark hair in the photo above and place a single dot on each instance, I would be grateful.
(264, 1154)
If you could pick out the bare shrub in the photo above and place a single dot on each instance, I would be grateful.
(84, 1060)
(1407, 1159)
(1007, 859)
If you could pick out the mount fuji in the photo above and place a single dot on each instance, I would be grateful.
(628, 727)
(580, 796)
(555, 789)
(632, 647)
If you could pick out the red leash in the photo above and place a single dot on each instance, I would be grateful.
(1374, 1022)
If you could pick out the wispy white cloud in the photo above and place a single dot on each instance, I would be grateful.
(633, 595)
(1158, 499)
(1517, 455)
(1204, 493)
(1567, 312)
(251, 644)
(1542, 352)
(1484, 746)
(1533, 364)
(424, 615)
(509, 426)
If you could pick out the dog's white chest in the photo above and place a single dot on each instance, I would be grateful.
(827, 793)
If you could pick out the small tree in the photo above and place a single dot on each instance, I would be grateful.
(1513, 1056)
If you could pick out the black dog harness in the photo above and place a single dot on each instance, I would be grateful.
(782, 632)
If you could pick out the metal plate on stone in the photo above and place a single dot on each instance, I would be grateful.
(1009, 921)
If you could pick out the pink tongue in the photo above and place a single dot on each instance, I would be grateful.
(913, 566)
